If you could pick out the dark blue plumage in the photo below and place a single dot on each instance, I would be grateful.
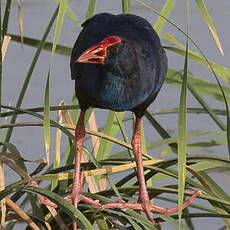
(130, 78)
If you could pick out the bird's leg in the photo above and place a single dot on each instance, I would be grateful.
(42, 199)
(144, 201)
(143, 193)
(78, 177)
(77, 185)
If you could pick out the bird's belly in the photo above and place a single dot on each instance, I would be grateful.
(119, 95)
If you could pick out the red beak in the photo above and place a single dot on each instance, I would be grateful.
(97, 53)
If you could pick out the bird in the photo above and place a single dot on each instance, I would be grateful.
(118, 64)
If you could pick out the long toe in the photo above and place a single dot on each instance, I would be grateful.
(42, 199)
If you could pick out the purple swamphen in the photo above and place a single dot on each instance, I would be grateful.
(117, 63)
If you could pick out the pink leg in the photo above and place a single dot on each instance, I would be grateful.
(75, 195)
(77, 179)
(143, 193)
(42, 198)
(144, 200)
(80, 136)
(154, 208)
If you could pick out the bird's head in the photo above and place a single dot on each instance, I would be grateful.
(116, 54)
(99, 52)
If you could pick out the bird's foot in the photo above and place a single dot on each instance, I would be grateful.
(73, 197)
(145, 206)
(42, 199)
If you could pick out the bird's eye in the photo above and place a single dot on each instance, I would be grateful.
(115, 49)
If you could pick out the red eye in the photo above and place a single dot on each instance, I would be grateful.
(116, 50)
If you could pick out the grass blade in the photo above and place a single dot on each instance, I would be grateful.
(111, 128)
(96, 143)
(208, 20)
(60, 49)
(204, 87)
(222, 71)
(93, 126)
(122, 128)
(199, 145)
(146, 224)
(70, 153)
(125, 6)
(60, 17)
(62, 203)
(173, 222)
(63, 185)
(91, 8)
(47, 118)
(206, 107)
(71, 14)
(209, 65)
(55, 124)
(134, 224)
(182, 136)
(14, 207)
(20, 20)
(6, 17)
(57, 150)
(220, 193)
(29, 73)
(163, 133)
(166, 10)
(102, 224)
